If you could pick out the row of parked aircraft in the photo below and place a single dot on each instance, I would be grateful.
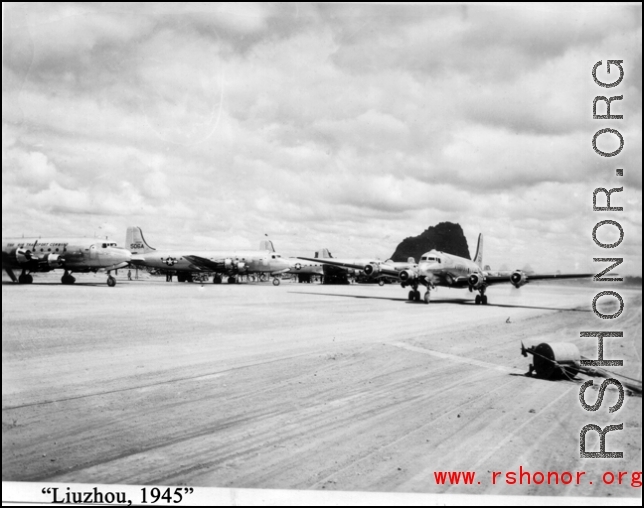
(434, 268)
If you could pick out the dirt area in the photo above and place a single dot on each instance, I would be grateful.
(304, 386)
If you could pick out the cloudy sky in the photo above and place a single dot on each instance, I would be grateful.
(323, 125)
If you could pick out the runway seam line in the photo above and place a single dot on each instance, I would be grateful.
(176, 380)
(456, 358)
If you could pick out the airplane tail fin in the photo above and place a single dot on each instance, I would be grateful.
(135, 242)
(323, 253)
(266, 245)
(478, 257)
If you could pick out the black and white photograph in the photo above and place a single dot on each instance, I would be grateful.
(321, 253)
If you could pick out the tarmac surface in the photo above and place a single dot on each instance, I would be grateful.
(304, 386)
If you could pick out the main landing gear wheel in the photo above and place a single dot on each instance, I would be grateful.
(427, 296)
(25, 279)
(276, 282)
(231, 280)
(414, 296)
(111, 281)
(480, 299)
(216, 279)
(68, 279)
(381, 283)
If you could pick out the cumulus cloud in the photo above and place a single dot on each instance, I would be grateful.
(340, 125)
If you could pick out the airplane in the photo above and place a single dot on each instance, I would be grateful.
(328, 273)
(80, 255)
(185, 262)
(436, 268)
(356, 267)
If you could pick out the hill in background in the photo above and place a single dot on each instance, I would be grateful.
(445, 236)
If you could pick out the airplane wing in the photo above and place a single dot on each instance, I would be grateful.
(207, 265)
(519, 278)
(113, 267)
(383, 268)
(137, 260)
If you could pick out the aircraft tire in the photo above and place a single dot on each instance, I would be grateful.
(231, 280)
(276, 282)
(427, 297)
(484, 299)
(477, 299)
(29, 279)
(111, 281)
(381, 283)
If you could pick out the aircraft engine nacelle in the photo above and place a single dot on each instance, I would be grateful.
(475, 280)
(52, 261)
(229, 264)
(371, 270)
(407, 275)
(518, 279)
(24, 256)
(241, 266)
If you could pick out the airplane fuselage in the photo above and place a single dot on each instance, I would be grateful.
(299, 266)
(72, 254)
(440, 268)
(219, 261)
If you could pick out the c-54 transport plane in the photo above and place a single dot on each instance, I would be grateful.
(80, 255)
(381, 269)
(436, 268)
(185, 262)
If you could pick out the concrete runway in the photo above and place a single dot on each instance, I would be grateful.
(303, 386)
